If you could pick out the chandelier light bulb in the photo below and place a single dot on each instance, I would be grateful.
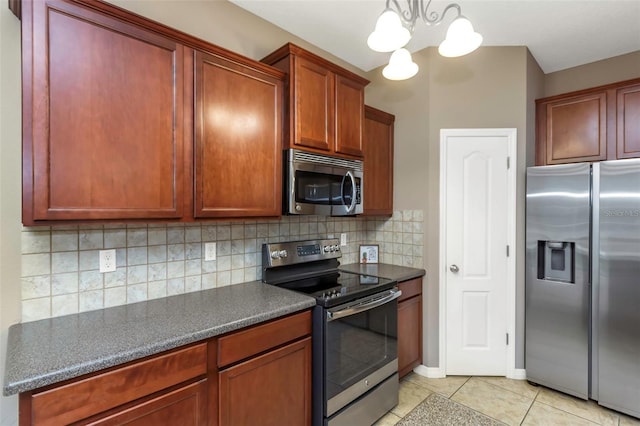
(461, 39)
(389, 34)
(401, 66)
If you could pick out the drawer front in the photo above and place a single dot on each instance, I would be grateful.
(410, 288)
(243, 344)
(93, 395)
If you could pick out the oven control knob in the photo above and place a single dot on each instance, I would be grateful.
(336, 248)
(275, 254)
(283, 253)
(298, 207)
(326, 249)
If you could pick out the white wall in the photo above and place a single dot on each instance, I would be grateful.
(10, 204)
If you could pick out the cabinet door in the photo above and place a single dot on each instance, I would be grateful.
(238, 147)
(103, 114)
(349, 113)
(409, 334)
(271, 389)
(185, 406)
(378, 162)
(628, 122)
(572, 130)
(313, 101)
(409, 326)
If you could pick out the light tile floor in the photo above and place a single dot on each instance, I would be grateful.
(513, 402)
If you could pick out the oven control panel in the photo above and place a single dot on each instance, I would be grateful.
(292, 252)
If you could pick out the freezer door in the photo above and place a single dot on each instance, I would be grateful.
(619, 295)
(557, 290)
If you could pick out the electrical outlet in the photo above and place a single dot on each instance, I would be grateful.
(209, 251)
(107, 260)
(343, 239)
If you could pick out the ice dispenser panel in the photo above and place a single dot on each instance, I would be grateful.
(556, 261)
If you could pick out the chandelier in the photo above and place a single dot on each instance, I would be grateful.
(395, 26)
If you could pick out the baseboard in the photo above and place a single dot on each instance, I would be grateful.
(430, 372)
(437, 373)
(518, 374)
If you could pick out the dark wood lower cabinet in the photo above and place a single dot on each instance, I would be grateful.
(409, 326)
(272, 389)
(260, 375)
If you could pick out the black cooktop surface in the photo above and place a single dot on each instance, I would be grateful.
(337, 287)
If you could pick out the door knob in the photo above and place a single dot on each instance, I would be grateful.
(454, 269)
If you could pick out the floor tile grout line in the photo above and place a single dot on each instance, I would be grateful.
(573, 414)
(533, 401)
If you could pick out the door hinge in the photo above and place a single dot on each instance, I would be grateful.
(507, 251)
(508, 162)
(507, 339)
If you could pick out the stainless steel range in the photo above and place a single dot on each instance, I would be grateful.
(355, 351)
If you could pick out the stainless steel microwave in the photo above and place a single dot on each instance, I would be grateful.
(321, 184)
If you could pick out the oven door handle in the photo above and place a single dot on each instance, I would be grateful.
(353, 310)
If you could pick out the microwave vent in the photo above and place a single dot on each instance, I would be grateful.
(326, 160)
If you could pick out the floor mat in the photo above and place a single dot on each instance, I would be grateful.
(437, 410)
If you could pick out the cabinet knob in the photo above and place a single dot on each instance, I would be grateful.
(454, 269)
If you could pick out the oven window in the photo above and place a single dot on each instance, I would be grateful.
(358, 345)
(319, 188)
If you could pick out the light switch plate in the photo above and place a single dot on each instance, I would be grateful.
(343, 239)
(209, 251)
(107, 260)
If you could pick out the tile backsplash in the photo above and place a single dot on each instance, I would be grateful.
(60, 264)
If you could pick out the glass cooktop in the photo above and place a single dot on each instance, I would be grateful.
(337, 287)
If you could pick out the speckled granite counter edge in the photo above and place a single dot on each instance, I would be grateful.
(20, 376)
(384, 270)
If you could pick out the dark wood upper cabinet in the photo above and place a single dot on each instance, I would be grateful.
(313, 117)
(114, 106)
(238, 142)
(349, 116)
(590, 125)
(103, 110)
(325, 103)
(378, 162)
(628, 121)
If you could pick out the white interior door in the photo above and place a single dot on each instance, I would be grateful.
(477, 216)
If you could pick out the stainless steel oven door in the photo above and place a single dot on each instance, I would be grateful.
(361, 347)
(323, 185)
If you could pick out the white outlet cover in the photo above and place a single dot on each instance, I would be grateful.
(343, 239)
(108, 260)
(209, 251)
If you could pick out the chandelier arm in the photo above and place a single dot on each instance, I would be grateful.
(408, 16)
(434, 18)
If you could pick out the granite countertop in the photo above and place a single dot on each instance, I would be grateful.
(384, 270)
(48, 351)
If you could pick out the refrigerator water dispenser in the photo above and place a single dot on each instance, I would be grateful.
(556, 261)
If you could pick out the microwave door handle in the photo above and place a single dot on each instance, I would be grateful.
(353, 191)
(391, 295)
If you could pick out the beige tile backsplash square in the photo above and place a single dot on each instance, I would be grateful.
(60, 265)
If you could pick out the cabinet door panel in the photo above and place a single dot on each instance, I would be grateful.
(107, 105)
(409, 334)
(378, 162)
(576, 129)
(628, 122)
(313, 105)
(349, 116)
(238, 167)
(185, 406)
(272, 389)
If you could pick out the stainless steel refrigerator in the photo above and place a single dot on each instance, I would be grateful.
(583, 281)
